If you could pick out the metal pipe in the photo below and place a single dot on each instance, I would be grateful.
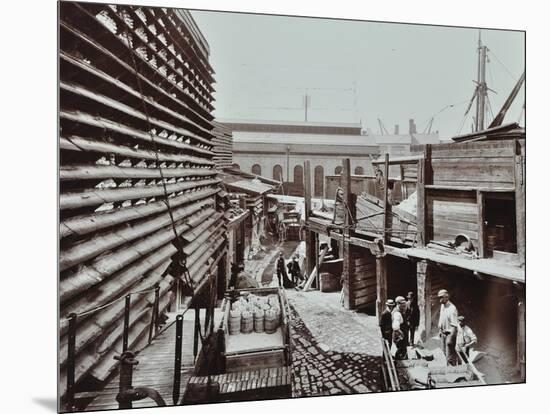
(126, 323)
(71, 346)
(177, 360)
(196, 333)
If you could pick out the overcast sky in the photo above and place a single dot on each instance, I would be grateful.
(355, 71)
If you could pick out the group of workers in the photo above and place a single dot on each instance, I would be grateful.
(400, 319)
(398, 323)
(456, 337)
(294, 271)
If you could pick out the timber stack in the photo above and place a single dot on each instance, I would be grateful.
(223, 146)
(136, 130)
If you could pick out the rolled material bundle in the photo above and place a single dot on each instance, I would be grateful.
(259, 316)
(234, 322)
(247, 322)
(271, 321)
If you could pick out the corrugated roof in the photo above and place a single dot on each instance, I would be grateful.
(251, 186)
(294, 127)
(304, 139)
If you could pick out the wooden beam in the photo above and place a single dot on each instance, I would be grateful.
(519, 174)
(134, 133)
(409, 159)
(421, 205)
(387, 208)
(521, 332)
(307, 189)
(348, 263)
(82, 144)
(97, 197)
(381, 284)
(101, 172)
(423, 282)
(84, 224)
(87, 249)
(310, 236)
(481, 223)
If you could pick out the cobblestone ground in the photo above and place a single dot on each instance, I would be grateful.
(335, 351)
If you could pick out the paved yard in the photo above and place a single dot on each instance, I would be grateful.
(335, 351)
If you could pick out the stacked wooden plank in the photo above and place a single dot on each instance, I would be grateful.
(223, 145)
(370, 219)
(363, 280)
(135, 130)
(245, 381)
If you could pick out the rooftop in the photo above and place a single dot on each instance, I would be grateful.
(293, 127)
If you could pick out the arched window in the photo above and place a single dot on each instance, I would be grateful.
(278, 173)
(256, 169)
(338, 170)
(318, 181)
(298, 174)
(359, 171)
(298, 180)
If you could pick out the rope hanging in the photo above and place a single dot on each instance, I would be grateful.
(182, 257)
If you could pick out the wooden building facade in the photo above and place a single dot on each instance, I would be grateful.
(138, 183)
(466, 233)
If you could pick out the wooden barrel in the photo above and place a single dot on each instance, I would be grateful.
(259, 316)
(234, 322)
(247, 322)
(271, 321)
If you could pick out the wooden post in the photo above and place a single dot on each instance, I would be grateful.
(481, 223)
(386, 235)
(424, 287)
(521, 332)
(420, 205)
(348, 263)
(424, 177)
(317, 265)
(519, 179)
(310, 236)
(381, 284)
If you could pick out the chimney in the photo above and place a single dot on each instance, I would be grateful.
(412, 126)
(396, 129)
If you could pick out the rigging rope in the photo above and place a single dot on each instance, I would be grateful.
(503, 65)
(182, 256)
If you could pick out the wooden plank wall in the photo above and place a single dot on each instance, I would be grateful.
(488, 164)
(484, 165)
(117, 127)
(450, 213)
(363, 280)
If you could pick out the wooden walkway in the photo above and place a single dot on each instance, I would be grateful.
(156, 367)
(248, 380)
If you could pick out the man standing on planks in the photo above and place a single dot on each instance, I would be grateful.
(399, 328)
(295, 271)
(413, 316)
(386, 321)
(281, 268)
(448, 326)
(466, 338)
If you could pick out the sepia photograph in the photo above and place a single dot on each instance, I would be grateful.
(258, 206)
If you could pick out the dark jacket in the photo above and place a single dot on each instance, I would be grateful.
(413, 313)
(281, 264)
(385, 321)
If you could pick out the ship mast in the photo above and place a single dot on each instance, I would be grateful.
(481, 90)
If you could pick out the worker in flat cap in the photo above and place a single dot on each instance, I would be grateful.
(386, 321)
(399, 327)
(448, 326)
(413, 316)
(465, 338)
